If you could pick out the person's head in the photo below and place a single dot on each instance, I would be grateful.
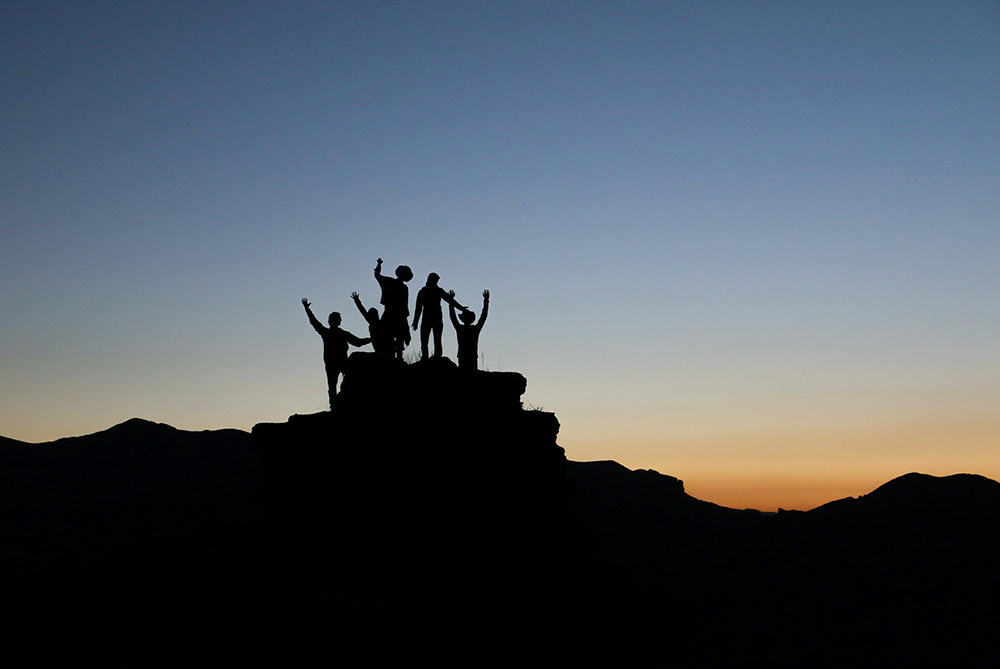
(432, 279)
(467, 317)
(373, 313)
(404, 273)
(334, 319)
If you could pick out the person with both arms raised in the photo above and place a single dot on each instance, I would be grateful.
(468, 333)
(429, 302)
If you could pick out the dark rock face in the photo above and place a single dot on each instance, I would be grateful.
(419, 445)
(428, 494)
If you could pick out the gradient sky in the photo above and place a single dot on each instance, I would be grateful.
(751, 245)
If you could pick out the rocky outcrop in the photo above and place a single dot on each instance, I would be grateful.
(425, 487)
(423, 434)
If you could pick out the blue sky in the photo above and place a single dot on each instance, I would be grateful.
(752, 245)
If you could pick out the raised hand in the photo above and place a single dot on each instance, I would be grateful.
(305, 303)
(486, 294)
(354, 295)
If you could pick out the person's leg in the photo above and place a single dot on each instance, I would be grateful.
(437, 327)
(397, 332)
(425, 331)
(402, 337)
(404, 328)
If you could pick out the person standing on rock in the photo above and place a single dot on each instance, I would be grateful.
(335, 341)
(468, 334)
(429, 302)
(396, 306)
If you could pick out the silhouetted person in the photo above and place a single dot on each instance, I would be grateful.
(335, 341)
(429, 302)
(376, 330)
(396, 303)
(468, 334)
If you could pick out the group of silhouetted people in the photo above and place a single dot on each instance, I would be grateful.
(389, 334)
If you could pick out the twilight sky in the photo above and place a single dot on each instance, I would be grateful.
(751, 245)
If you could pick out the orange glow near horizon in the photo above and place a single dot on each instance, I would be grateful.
(799, 470)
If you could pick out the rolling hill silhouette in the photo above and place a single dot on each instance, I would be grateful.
(136, 481)
(904, 575)
(431, 516)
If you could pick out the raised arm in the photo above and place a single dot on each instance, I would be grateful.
(357, 303)
(449, 297)
(383, 280)
(486, 310)
(312, 319)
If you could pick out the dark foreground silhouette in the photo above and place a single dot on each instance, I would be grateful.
(468, 331)
(396, 303)
(335, 346)
(381, 342)
(458, 532)
(429, 303)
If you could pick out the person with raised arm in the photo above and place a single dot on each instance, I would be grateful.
(335, 341)
(396, 306)
(429, 302)
(468, 333)
(376, 331)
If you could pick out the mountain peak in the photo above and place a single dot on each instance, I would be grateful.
(142, 424)
(920, 491)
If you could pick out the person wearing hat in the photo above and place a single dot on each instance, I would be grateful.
(468, 334)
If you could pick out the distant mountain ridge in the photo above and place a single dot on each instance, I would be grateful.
(135, 481)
